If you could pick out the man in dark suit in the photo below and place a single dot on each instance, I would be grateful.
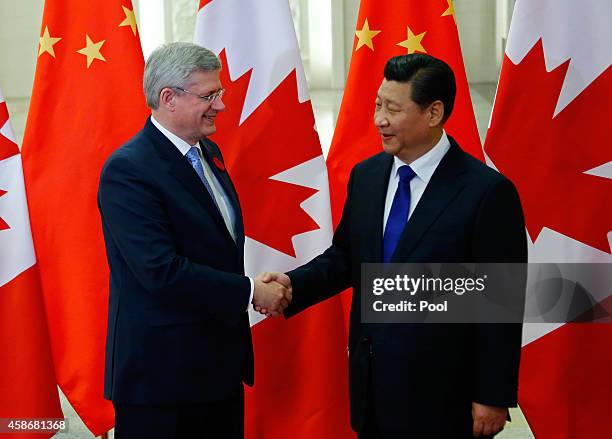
(421, 200)
(178, 344)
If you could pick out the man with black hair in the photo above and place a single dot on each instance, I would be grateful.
(421, 200)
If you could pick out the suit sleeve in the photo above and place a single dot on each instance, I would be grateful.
(329, 273)
(499, 236)
(134, 218)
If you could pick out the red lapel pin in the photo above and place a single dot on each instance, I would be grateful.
(219, 164)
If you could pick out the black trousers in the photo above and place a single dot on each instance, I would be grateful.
(371, 428)
(214, 420)
(371, 432)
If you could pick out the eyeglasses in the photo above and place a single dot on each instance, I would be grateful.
(212, 97)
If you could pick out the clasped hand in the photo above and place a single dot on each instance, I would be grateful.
(272, 293)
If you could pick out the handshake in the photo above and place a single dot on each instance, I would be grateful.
(272, 293)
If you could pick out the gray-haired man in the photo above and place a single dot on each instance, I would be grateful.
(178, 345)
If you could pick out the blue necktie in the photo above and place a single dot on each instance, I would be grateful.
(398, 216)
(194, 159)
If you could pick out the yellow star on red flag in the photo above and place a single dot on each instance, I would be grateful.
(413, 42)
(450, 10)
(92, 50)
(366, 36)
(47, 42)
(130, 19)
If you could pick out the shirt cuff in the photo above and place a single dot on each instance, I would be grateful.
(252, 292)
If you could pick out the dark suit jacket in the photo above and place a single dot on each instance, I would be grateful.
(423, 376)
(178, 330)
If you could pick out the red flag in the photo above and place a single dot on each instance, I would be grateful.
(27, 379)
(543, 136)
(272, 151)
(87, 100)
(399, 27)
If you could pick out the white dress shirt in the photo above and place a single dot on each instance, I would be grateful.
(423, 167)
(221, 197)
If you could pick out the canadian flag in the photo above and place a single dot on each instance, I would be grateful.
(270, 144)
(27, 378)
(549, 135)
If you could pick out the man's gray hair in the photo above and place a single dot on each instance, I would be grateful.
(172, 64)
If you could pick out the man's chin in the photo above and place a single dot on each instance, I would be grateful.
(209, 130)
(390, 148)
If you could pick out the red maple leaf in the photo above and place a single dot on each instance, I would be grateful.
(3, 224)
(547, 157)
(277, 136)
(8, 148)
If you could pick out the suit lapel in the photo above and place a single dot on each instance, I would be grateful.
(376, 194)
(223, 177)
(179, 168)
(441, 190)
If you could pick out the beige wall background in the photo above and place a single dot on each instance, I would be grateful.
(19, 31)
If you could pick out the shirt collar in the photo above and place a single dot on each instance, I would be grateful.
(425, 165)
(180, 144)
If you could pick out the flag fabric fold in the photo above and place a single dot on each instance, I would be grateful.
(543, 136)
(27, 378)
(86, 101)
(268, 137)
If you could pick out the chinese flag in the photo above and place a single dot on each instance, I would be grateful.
(398, 27)
(27, 379)
(87, 100)
(544, 137)
(268, 138)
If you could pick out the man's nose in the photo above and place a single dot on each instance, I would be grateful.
(218, 104)
(380, 120)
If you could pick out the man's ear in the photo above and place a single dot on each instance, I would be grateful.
(167, 99)
(436, 113)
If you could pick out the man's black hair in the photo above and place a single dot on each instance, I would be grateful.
(431, 79)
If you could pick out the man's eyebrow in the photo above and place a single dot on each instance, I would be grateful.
(391, 101)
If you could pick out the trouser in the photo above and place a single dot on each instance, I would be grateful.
(217, 419)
